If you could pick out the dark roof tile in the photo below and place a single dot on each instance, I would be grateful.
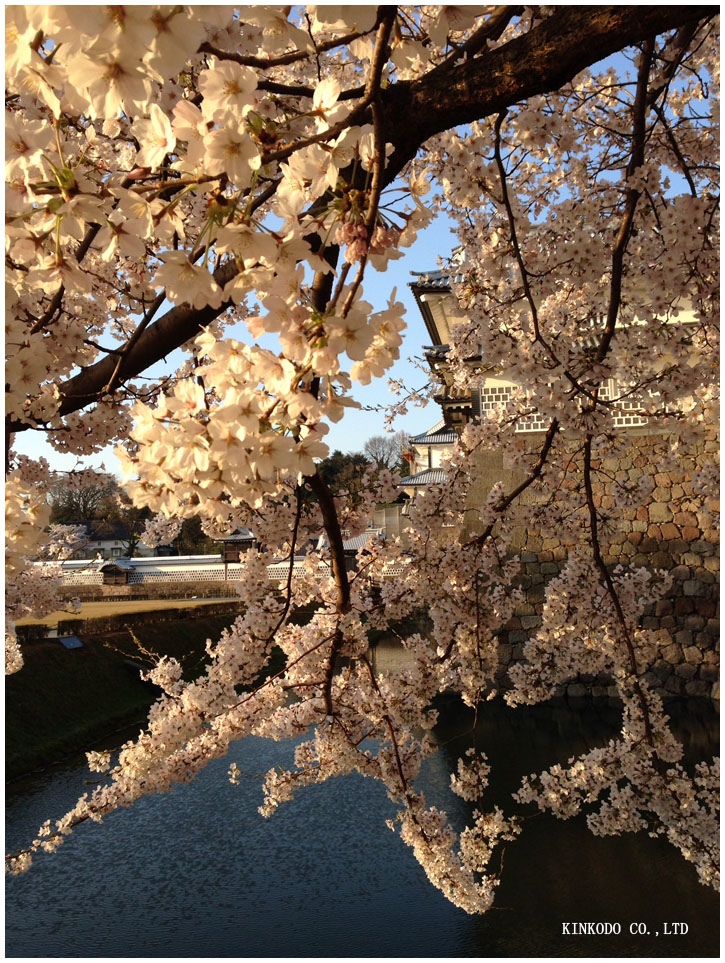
(430, 476)
(443, 436)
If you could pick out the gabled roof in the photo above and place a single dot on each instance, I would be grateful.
(430, 476)
(351, 543)
(241, 535)
(126, 564)
(434, 280)
(437, 435)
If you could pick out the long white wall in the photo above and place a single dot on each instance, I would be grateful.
(182, 568)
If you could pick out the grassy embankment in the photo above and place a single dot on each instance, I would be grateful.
(62, 700)
(108, 609)
(68, 700)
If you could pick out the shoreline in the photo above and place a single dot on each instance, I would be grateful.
(64, 700)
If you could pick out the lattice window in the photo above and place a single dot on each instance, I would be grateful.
(533, 422)
(626, 410)
(494, 397)
(627, 417)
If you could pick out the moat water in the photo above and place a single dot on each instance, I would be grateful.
(199, 873)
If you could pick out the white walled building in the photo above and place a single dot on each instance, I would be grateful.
(427, 450)
(440, 312)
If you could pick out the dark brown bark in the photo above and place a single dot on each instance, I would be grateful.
(538, 62)
(334, 536)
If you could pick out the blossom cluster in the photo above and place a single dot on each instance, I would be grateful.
(220, 180)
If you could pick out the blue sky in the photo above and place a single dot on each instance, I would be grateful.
(353, 431)
(357, 426)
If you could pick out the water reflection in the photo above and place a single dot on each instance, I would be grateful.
(199, 873)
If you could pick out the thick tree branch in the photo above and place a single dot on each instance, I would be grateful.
(173, 329)
(331, 525)
(492, 29)
(540, 61)
(549, 55)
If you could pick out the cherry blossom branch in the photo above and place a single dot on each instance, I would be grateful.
(284, 60)
(277, 675)
(78, 820)
(290, 570)
(406, 793)
(677, 46)
(149, 344)
(371, 92)
(250, 446)
(523, 271)
(337, 642)
(322, 289)
(639, 112)
(128, 347)
(492, 29)
(524, 274)
(682, 163)
(299, 90)
(80, 253)
(505, 502)
(57, 299)
(373, 202)
(541, 60)
(334, 537)
(612, 590)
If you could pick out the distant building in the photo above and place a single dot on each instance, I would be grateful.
(495, 386)
(235, 545)
(351, 544)
(426, 455)
(109, 539)
(117, 572)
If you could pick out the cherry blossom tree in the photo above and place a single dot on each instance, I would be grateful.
(196, 178)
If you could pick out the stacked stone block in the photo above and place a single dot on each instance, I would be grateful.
(672, 531)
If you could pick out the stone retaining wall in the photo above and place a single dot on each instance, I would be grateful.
(671, 531)
(149, 590)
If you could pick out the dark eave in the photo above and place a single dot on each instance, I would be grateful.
(429, 476)
(425, 311)
(443, 436)
(429, 282)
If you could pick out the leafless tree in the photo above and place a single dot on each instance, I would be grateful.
(386, 451)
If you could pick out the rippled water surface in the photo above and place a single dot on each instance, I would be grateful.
(199, 873)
